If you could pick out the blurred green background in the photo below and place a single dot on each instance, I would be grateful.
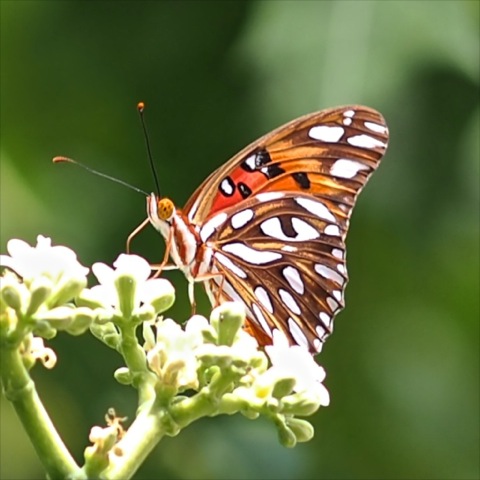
(403, 364)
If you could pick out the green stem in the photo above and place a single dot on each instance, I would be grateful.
(20, 390)
(141, 438)
(136, 362)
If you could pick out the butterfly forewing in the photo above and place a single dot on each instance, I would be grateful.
(276, 217)
(280, 160)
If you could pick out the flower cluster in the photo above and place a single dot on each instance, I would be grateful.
(203, 368)
(35, 293)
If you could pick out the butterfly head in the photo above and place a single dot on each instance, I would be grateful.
(160, 211)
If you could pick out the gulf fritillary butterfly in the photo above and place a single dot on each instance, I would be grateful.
(268, 227)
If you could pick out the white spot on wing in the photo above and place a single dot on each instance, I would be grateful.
(332, 230)
(365, 141)
(250, 255)
(240, 219)
(338, 295)
(321, 332)
(336, 252)
(211, 225)
(304, 230)
(226, 262)
(325, 133)
(250, 162)
(375, 127)
(316, 208)
(289, 248)
(226, 187)
(348, 114)
(341, 268)
(292, 276)
(327, 272)
(289, 301)
(261, 319)
(297, 333)
(272, 227)
(268, 196)
(332, 304)
(317, 345)
(325, 320)
(345, 168)
(264, 298)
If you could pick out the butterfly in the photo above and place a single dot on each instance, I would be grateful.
(268, 227)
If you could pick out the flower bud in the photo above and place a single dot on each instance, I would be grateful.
(301, 404)
(59, 318)
(44, 329)
(126, 286)
(107, 333)
(302, 429)
(12, 296)
(122, 375)
(227, 321)
(82, 319)
(283, 387)
(145, 313)
(285, 435)
(159, 293)
(87, 298)
(40, 289)
(67, 290)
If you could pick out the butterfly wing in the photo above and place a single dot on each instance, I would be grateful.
(276, 217)
(284, 258)
(298, 156)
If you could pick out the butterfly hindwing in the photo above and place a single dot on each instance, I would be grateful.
(284, 258)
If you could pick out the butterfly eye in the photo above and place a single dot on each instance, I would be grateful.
(165, 209)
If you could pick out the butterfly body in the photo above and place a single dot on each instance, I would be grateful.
(268, 228)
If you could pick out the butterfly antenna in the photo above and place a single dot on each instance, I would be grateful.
(141, 108)
(100, 174)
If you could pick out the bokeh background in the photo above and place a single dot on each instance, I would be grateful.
(403, 364)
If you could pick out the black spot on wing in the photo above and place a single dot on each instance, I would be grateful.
(244, 189)
(256, 161)
(272, 171)
(262, 158)
(302, 180)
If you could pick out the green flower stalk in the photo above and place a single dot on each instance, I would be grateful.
(181, 372)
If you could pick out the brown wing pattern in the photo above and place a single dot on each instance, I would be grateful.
(282, 158)
(285, 203)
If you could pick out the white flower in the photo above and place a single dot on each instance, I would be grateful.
(295, 361)
(128, 285)
(56, 263)
(52, 275)
(173, 358)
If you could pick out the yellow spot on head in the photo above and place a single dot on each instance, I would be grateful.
(165, 208)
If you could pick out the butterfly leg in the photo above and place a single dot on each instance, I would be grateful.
(163, 266)
(191, 296)
(135, 233)
(210, 276)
